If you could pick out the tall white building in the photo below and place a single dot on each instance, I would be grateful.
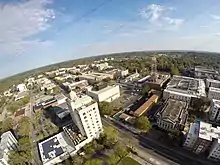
(107, 94)
(214, 93)
(7, 143)
(214, 114)
(85, 114)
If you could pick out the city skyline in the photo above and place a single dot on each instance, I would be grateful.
(41, 32)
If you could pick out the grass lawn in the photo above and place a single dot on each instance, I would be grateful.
(128, 161)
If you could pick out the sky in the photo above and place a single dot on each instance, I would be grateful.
(35, 33)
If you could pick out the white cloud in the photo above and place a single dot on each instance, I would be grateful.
(153, 12)
(20, 21)
(174, 21)
(215, 17)
(159, 15)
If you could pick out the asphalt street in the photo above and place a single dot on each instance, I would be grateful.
(161, 152)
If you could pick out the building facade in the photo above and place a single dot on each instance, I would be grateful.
(212, 83)
(214, 93)
(7, 143)
(184, 88)
(173, 115)
(85, 114)
(203, 137)
(107, 94)
(214, 114)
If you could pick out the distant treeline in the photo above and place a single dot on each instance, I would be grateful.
(189, 58)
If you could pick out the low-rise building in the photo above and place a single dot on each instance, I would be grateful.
(214, 93)
(202, 72)
(44, 102)
(214, 114)
(122, 73)
(7, 143)
(173, 116)
(95, 76)
(132, 77)
(19, 114)
(212, 83)
(108, 93)
(79, 84)
(184, 88)
(56, 149)
(147, 105)
(21, 88)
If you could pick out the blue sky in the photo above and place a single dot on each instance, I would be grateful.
(35, 33)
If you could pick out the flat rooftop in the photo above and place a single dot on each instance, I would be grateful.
(173, 109)
(105, 89)
(187, 85)
(53, 147)
(213, 89)
(82, 102)
(216, 102)
(212, 80)
(74, 134)
(205, 70)
(208, 132)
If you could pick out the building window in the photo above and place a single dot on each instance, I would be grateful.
(85, 117)
(84, 114)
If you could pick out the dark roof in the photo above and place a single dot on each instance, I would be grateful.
(20, 112)
(52, 145)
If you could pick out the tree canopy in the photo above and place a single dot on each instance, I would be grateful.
(105, 108)
(24, 126)
(142, 123)
(6, 125)
(93, 162)
(145, 90)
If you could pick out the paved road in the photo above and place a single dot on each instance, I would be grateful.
(157, 148)
(146, 154)
(32, 133)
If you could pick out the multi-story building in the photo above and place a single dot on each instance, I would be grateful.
(202, 72)
(108, 94)
(7, 143)
(214, 93)
(214, 114)
(212, 83)
(203, 137)
(184, 88)
(173, 115)
(85, 114)
(192, 135)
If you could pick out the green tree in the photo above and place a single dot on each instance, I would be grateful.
(110, 137)
(13, 107)
(56, 90)
(145, 90)
(112, 159)
(23, 154)
(121, 151)
(77, 160)
(7, 124)
(174, 70)
(93, 162)
(24, 126)
(142, 123)
(105, 108)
